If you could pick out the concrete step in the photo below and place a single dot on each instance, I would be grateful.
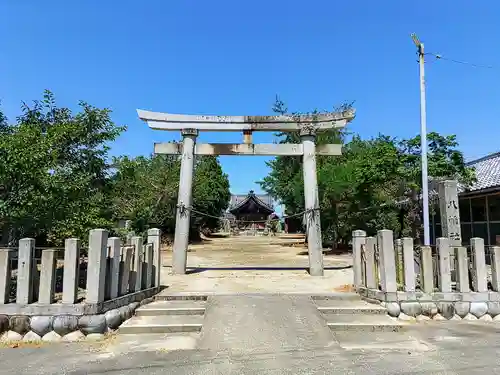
(363, 323)
(349, 307)
(175, 307)
(203, 296)
(162, 324)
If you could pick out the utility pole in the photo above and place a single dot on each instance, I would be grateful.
(423, 140)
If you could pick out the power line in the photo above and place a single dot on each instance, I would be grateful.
(441, 57)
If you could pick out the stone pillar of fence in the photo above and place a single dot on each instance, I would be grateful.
(113, 277)
(47, 277)
(125, 265)
(71, 276)
(358, 244)
(136, 280)
(426, 269)
(154, 237)
(462, 269)
(5, 273)
(370, 264)
(479, 275)
(147, 276)
(24, 294)
(96, 267)
(408, 264)
(444, 251)
(387, 261)
(495, 268)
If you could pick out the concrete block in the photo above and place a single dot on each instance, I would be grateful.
(154, 238)
(5, 274)
(426, 269)
(136, 279)
(462, 269)
(370, 264)
(475, 297)
(495, 268)
(24, 294)
(96, 268)
(114, 244)
(408, 264)
(494, 296)
(387, 261)
(47, 277)
(71, 270)
(444, 249)
(358, 248)
(148, 276)
(125, 265)
(479, 275)
(391, 297)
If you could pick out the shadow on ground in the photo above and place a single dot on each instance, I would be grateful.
(193, 270)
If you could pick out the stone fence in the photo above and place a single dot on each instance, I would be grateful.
(118, 278)
(418, 283)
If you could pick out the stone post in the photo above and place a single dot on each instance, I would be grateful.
(96, 267)
(444, 250)
(47, 277)
(147, 276)
(479, 274)
(71, 273)
(371, 268)
(313, 222)
(427, 269)
(5, 273)
(462, 269)
(449, 210)
(114, 244)
(398, 250)
(137, 267)
(184, 201)
(24, 294)
(495, 268)
(358, 245)
(154, 238)
(125, 269)
(408, 264)
(387, 261)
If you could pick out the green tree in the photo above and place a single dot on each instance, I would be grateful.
(375, 184)
(53, 171)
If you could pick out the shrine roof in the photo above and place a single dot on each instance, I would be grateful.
(487, 172)
(238, 201)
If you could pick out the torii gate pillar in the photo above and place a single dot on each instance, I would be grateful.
(311, 200)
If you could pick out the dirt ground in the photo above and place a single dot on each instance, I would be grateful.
(255, 264)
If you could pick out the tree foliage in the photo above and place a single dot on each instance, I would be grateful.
(375, 184)
(56, 180)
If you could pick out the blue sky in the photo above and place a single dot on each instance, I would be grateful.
(232, 58)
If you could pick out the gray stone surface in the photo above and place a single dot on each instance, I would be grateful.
(134, 305)
(51, 337)
(462, 308)
(446, 309)
(71, 269)
(19, 324)
(494, 308)
(64, 324)
(92, 324)
(10, 336)
(125, 312)
(393, 309)
(411, 308)
(73, 336)
(250, 323)
(41, 324)
(31, 337)
(113, 318)
(478, 309)
(429, 308)
(4, 323)
(96, 265)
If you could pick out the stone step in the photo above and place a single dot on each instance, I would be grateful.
(349, 307)
(363, 323)
(162, 324)
(203, 296)
(175, 307)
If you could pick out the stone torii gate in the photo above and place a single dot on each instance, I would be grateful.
(191, 125)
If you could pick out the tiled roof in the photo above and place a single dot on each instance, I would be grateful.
(236, 199)
(487, 172)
